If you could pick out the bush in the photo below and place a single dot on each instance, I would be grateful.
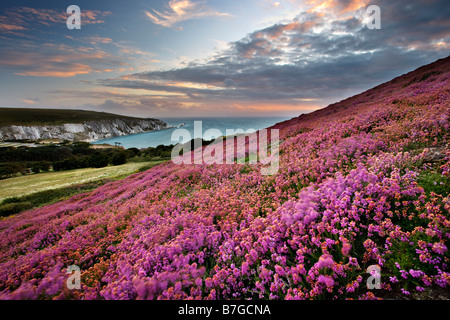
(160, 151)
(13, 208)
(36, 168)
(42, 166)
(119, 158)
(134, 152)
(10, 169)
(68, 164)
(97, 160)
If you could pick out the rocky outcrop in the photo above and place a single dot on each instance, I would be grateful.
(87, 131)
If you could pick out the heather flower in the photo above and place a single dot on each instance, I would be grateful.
(327, 280)
(420, 289)
(346, 247)
(265, 274)
(279, 270)
(325, 261)
(439, 247)
(244, 268)
(416, 273)
(405, 292)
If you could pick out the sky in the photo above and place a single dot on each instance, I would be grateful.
(211, 58)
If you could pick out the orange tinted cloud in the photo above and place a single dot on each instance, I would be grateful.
(338, 6)
(285, 28)
(30, 100)
(181, 10)
(356, 4)
(102, 40)
(4, 27)
(24, 18)
(49, 71)
(58, 61)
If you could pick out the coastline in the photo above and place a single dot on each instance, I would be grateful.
(163, 137)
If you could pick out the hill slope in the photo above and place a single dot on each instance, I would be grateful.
(32, 116)
(74, 125)
(362, 183)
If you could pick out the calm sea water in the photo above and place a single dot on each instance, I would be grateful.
(164, 137)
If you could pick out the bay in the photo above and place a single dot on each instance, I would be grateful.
(164, 137)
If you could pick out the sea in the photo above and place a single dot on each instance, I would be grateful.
(164, 137)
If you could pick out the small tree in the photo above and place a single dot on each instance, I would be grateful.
(119, 158)
(97, 160)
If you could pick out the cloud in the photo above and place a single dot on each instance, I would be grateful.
(9, 28)
(135, 58)
(150, 107)
(56, 60)
(99, 40)
(106, 94)
(182, 10)
(317, 58)
(30, 100)
(119, 101)
(153, 107)
(16, 20)
(337, 6)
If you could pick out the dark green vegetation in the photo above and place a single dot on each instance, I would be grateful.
(68, 156)
(431, 181)
(25, 116)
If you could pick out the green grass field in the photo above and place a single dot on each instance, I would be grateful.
(29, 184)
(16, 144)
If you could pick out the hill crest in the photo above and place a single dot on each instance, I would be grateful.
(39, 116)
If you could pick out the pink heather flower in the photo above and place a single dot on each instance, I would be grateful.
(439, 247)
(346, 247)
(375, 274)
(404, 274)
(369, 244)
(244, 268)
(279, 270)
(178, 286)
(426, 281)
(325, 261)
(416, 273)
(254, 255)
(327, 280)
(208, 282)
(393, 279)
(265, 274)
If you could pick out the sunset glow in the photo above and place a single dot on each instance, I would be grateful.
(168, 58)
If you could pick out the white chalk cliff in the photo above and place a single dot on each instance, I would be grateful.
(87, 131)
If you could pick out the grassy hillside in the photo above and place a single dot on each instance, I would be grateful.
(25, 185)
(31, 116)
(26, 192)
